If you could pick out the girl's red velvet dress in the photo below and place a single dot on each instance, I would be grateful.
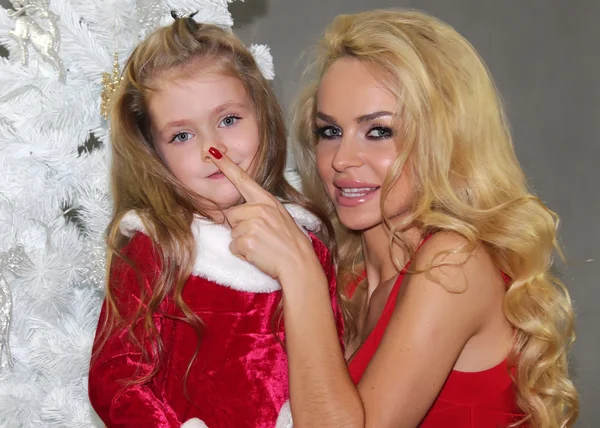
(239, 377)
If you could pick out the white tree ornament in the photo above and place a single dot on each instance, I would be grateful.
(54, 204)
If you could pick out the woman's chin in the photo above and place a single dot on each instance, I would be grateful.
(357, 222)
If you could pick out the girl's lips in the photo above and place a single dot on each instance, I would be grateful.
(216, 175)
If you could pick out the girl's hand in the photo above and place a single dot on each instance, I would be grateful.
(263, 231)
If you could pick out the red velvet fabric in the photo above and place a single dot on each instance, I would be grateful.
(240, 375)
(483, 399)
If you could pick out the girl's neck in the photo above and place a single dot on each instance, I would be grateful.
(378, 259)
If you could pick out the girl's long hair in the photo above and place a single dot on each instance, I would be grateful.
(141, 182)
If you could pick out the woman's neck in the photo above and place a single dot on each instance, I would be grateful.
(378, 259)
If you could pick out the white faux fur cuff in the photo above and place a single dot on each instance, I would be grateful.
(284, 419)
(194, 423)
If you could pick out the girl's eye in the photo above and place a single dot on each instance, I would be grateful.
(328, 132)
(229, 121)
(181, 137)
(380, 133)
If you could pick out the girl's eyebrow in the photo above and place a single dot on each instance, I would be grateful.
(216, 111)
(220, 109)
(174, 124)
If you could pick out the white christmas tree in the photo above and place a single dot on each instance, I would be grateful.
(54, 203)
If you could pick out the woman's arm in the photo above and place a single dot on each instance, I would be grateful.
(328, 268)
(327, 275)
(428, 330)
(321, 391)
(116, 361)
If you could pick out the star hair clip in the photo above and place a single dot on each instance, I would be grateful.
(189, 19)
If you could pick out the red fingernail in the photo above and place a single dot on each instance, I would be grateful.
(215, 153)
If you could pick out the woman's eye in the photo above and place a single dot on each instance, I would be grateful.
(181, 137)
(229, 121)
(329, 132)
(380, 133)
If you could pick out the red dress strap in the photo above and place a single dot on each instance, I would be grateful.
(351, 287)
(363, 355)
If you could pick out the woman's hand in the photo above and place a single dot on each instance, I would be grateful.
(263, 232)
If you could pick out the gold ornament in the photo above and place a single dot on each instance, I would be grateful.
(110, 83)
(36, 25)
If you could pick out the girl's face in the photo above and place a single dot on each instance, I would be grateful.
(191, 113)
(357, 144)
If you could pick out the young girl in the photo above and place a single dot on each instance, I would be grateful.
(443, 251)
(189, 332)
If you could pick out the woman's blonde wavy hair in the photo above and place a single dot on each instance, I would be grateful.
(140, 181)
(469, 181)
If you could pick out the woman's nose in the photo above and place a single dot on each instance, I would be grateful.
(346, 155)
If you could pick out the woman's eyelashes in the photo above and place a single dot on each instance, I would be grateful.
(380, 132)
(375, 132)
(328, 132)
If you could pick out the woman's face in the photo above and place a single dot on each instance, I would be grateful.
(356, 145)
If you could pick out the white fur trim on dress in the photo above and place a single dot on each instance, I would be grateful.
(215, 262)
(194, 423)
(303, 218)
(284, 419)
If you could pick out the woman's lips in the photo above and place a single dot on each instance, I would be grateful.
(354, 195)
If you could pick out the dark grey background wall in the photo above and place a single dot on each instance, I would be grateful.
(545, 56)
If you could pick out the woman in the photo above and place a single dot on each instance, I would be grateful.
(454, 319)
